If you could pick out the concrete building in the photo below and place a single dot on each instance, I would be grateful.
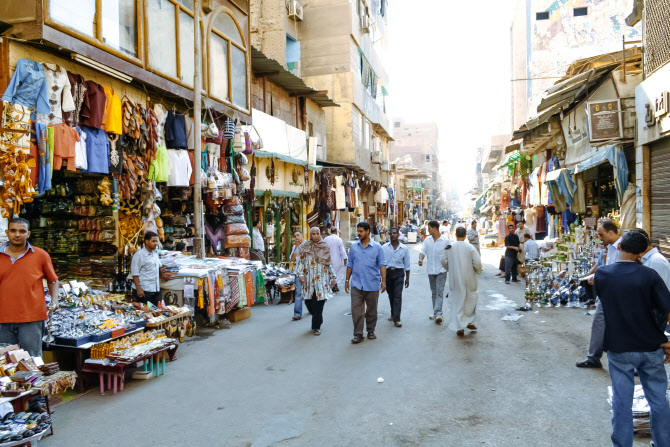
(342, 51)
(420, 142)
(548, 35)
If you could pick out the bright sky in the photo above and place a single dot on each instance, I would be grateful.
(448, 62)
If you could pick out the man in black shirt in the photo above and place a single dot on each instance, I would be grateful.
(512, 245)
(632, 296)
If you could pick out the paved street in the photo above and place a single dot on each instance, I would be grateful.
(269, 381)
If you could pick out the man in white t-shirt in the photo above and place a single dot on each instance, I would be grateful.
(259, 243)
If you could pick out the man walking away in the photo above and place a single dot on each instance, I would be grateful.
(366, 270)
(396, 256)
(463, 263)
(512, 245)
(338, 255)
(432, 250)
(634, 339)
(530, 248)
(473, 236)
(608, 234)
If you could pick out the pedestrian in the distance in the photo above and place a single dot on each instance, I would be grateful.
(634, 339)
(338, 255)
(366, 271)
(463, 263)
(298, 239)
(432, 250)
(397, 269)
(513, 247)
(315, 273)
(473, 236)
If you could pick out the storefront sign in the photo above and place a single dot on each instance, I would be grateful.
(661, 104)
(605, 120)
(590, 222)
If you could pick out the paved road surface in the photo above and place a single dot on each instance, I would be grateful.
(269, 381)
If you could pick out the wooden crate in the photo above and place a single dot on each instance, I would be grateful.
(239, 315)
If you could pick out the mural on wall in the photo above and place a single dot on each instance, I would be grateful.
(563, 38)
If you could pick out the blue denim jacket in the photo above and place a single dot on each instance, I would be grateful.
(28, 86)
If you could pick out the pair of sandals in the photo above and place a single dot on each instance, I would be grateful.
(359, 338)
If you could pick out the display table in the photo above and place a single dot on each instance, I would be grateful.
(115, 372)
(19, 402)
(161, 323)
(84, 350)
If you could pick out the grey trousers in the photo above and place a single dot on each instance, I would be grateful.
(364, 304)
(597, 333)
(27, 335)
(437, 291)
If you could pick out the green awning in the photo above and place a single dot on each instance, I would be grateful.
(282, 157)
(276, 193)
(316, 168)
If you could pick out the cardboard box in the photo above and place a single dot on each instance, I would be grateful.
(239, 315)
(17, 355)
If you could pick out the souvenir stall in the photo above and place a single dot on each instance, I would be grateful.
(22, 378)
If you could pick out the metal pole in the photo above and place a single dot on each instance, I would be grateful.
(198, 240)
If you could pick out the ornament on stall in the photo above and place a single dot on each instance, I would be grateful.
(18, 188)
(105, 193)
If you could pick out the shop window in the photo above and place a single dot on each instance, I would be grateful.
(542, 15)
(580, 11)
(117, 19)
(172, 57)
(228, 62)
(427, 158)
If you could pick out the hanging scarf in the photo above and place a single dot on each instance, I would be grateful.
(320, 251)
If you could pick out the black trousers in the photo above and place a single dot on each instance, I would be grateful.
(315, 307)
(394, 285)
(149, 297)
(501, 267)
(588, 291)
(511, 263)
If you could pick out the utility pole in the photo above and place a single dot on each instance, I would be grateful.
(198, 240)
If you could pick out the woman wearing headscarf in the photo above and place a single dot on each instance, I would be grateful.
(314, 270)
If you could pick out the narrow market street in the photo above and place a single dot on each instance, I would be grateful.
(269, 381)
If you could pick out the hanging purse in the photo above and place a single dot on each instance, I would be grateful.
(238, 142)
(209, 130)
(228, 129)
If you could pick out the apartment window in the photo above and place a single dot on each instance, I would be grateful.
(427, 158)
(542, 15)
(228, 62)
(580, 11)
(173, 57)
(366, 135)
(117, 19)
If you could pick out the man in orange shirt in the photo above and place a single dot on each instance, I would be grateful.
(23, 308)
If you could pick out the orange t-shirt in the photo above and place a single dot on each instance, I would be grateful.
(21, 290)
(111, 119)
(64, 139)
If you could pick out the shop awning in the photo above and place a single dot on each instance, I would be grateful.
(615, 155)
(316, 168)
(262, 65)
(276, 193)
(282, 157)
(280, 139)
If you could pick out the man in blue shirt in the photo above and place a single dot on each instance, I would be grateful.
(397, 268)
(631, 297)
(366, 269)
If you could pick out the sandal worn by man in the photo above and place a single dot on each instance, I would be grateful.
(317, 332)
(296, 318)
(372, 336)
(460, 333)
(357, 339)
(472, 327)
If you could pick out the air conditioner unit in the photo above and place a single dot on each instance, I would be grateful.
(386, 166)
(376, 157)
(295, 11)
(365, 24)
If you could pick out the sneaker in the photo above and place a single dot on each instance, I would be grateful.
(589, 363)
(398, 324)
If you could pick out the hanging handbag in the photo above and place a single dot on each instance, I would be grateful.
(238, 142)
(209, 130)
(248, 145)
(228, 129)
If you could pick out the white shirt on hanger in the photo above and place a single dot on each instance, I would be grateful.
(180, 167)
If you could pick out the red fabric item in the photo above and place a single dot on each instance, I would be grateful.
(24, 276)
(65, 138)
(191, 181)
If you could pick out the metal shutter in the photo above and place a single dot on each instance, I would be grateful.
(660, 195)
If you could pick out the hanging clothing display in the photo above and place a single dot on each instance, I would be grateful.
(180, 167)
(59, 94)
(78, 91)
(111, 119)
(175, 131)
(65, 139)
(28, 87)
(97, 150)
